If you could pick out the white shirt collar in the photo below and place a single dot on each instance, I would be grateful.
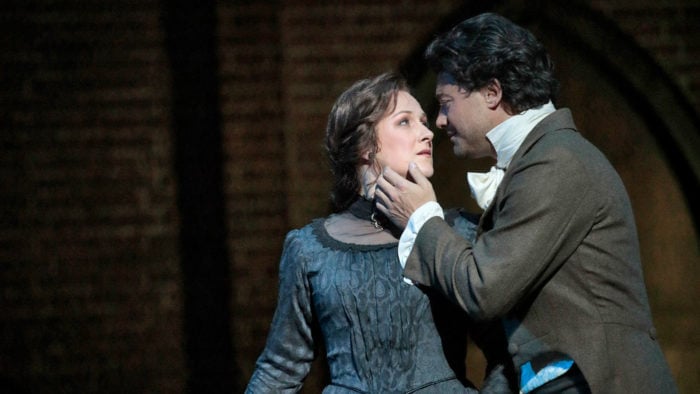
(507, 137)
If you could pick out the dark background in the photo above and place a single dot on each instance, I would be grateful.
(154, 154)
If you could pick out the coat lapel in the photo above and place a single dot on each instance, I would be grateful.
(558, 120)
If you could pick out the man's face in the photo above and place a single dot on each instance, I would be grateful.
(465, 117)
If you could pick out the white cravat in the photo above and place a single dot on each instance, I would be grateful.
(506, 138)
(483, 185)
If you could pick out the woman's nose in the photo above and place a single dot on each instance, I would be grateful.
(427, 134)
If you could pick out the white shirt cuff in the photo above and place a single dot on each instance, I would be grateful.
(425, 212)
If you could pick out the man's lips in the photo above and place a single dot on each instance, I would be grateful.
(425, 152)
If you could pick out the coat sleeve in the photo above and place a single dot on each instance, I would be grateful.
(290, 350)
(540, 217)
(487, 335)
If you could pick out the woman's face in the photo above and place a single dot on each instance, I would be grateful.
(404, 137)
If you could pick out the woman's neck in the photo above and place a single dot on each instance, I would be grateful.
(368, 181)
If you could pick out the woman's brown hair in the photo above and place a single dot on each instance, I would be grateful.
(351, 131)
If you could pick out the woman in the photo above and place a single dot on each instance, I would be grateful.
(341, 283)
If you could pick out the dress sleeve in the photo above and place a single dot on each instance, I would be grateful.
(290, 349)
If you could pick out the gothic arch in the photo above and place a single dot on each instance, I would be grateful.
(648, 89)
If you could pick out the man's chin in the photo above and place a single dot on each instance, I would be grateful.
(459, 152)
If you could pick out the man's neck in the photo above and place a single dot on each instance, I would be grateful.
(507, 137)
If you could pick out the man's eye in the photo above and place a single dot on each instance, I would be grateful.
(444, 107)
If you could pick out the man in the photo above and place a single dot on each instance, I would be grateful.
(557, 255)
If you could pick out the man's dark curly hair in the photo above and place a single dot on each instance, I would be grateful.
(489, 46)
(351, 131)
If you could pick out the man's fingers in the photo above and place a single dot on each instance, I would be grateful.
(380, 196)
(387, 188)
(381, 199)
(392, 178)
(415, 174)
(393, 196)
(379, 203)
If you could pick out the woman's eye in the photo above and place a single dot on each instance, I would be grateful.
(403, 122)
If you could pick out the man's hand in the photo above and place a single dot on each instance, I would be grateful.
(398, 197)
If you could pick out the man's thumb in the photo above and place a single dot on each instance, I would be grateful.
(416, 175)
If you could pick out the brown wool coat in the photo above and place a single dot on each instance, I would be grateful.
(557, 259)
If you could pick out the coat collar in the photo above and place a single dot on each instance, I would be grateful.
(558, 120)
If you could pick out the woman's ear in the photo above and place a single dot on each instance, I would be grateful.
(368, 157)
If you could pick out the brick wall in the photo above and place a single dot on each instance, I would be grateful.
(668, 29)
(255, 170)
(89, 273)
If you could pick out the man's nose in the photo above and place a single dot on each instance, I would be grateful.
(441, 121)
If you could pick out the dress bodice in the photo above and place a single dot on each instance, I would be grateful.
(379, 332)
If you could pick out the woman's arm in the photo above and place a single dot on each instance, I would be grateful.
(289, 351)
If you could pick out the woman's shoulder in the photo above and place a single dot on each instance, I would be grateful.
(304, 236)
(299, 248)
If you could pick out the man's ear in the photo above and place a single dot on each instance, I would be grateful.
(492, 93)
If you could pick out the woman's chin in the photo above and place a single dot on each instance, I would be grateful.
(427, 171)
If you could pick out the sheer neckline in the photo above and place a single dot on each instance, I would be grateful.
(366, 210)
(354, 228)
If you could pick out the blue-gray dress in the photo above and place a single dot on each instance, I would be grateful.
(379, 333)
